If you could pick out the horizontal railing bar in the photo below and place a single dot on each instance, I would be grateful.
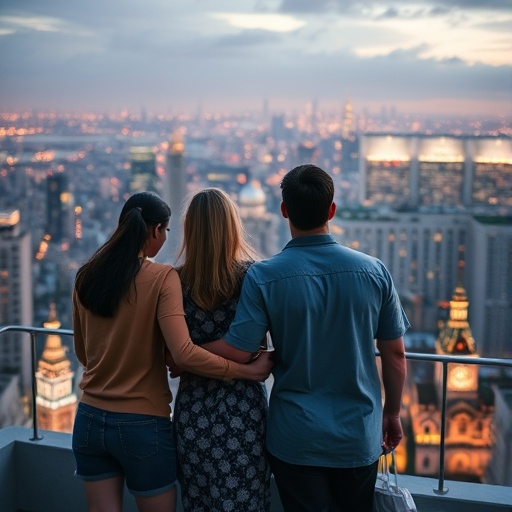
(439, 358)
(37, 330)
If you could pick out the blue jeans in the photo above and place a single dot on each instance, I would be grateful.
(139, 447)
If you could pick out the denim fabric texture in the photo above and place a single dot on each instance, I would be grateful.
(138, 446)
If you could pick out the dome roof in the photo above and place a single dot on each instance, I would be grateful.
(252, 194)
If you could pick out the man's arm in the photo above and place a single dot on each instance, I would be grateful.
(223, 349)
(394, 370)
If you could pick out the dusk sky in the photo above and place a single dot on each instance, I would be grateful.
(452, 56)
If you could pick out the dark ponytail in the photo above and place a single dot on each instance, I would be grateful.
(107, 277)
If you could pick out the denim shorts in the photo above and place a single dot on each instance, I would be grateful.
(139, 447)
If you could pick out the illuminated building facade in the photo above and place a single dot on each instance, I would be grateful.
(468, 415)
(143, 170)
(15, 296)
(228, 177)
(56, 401)
(492, 174)
(411, 171)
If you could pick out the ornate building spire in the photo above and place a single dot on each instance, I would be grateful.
(456, 338)
(53, 362)
(56, 402)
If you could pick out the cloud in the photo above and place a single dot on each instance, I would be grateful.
(107, 55)
(14, 24)
(355, 6)
(270, 22)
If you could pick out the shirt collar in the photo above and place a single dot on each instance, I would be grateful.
(306, 241)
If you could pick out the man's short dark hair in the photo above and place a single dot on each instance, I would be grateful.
(308, 192)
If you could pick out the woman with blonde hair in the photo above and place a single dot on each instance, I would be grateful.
(219, 426)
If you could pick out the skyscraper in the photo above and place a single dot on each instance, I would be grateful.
(56, 401)
(59, 207)
(143, 170)
(176, 185)
(421, 250)
(15, 296)
(489, 273)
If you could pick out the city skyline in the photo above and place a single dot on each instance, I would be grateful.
(421, 57)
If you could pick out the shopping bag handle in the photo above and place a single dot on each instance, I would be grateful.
(383, 463)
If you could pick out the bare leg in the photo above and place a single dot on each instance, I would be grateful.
(164, 502)
(105, 495)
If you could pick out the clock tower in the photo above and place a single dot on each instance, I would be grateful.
(56, 401)
(455, 338)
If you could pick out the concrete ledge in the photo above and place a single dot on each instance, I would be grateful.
(39, 476)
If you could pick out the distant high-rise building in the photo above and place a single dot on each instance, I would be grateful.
(499, 470)
(59, 208)
(56, 400)
(15, 296)
(143, 170)
(420, 251)
(177, 190)
(347, 125)
(261, 226)
(432, 170)
(277, 129)
(229, 177)
(306, 153)
(489, 273)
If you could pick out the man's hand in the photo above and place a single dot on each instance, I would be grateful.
(391, 432)
(259, 368)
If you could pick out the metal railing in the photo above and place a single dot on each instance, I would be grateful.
(445, 360)
(34, 331)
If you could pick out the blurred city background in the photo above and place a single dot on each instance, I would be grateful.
(415, 131)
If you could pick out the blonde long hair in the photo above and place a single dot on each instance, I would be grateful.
(213, 249)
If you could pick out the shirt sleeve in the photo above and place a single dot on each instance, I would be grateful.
(393, 322)
(170, 301)
(251, 321)
(186, 354)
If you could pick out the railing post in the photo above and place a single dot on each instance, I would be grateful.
(35, 436)
(440, 486)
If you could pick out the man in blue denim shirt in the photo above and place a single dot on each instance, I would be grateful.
(324, 306)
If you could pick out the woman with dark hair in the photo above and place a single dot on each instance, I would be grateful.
(127, 310)
(219, 426)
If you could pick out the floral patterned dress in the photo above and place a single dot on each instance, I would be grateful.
(220, 429)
